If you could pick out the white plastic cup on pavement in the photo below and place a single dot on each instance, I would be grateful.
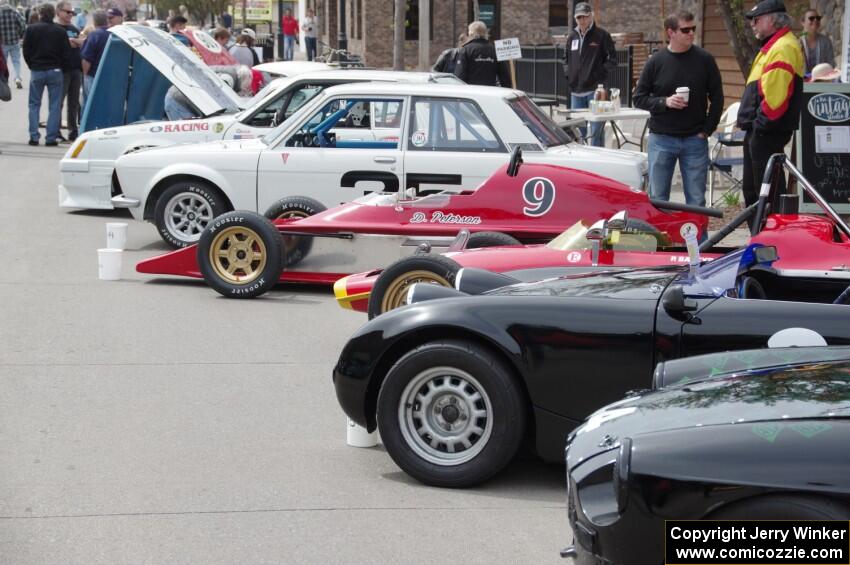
(684, 93)
(357, 436)
(116, 235)
(109, 264)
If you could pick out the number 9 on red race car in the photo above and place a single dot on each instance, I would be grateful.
(539, 194)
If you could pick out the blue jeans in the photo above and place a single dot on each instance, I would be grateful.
(13, 52)
(53, 80)
(597, 129)
(88, 80)
(288, 47)
(692, 154)
(310, 44)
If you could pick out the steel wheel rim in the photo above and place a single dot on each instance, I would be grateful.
(291, 241)
(238, 255)
(186, 215)
(445, 416)
(397, 290)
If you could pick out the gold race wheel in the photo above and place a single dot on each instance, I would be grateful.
(240, 254)
(391, 287)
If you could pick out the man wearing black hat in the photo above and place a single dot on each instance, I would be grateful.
(772, 100)
(591, 57)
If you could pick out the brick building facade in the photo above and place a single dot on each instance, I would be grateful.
(369, 24)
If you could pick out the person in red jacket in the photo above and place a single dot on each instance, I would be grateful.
(289, 25)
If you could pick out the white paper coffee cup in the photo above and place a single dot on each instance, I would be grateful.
(116, 235)
(109, 264)
(357, 436)
(683, 92)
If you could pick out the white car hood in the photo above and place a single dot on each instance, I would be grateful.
(203, 87)
(628, 167)
(600, 154)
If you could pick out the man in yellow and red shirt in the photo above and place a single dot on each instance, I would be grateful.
(773, 97)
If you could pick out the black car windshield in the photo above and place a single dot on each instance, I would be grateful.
(544, 129)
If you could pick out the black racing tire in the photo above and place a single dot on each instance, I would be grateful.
(184, 209)
(752, 289)
(390, 288)
(490, 239)
(296, 247)
(240, 254)
(469, 395)
(784, 507)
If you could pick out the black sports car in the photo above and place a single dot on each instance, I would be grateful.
(455, 385)
(748, 435)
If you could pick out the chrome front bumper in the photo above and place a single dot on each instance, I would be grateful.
(121, 201)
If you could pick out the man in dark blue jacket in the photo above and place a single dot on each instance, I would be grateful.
(591, 58)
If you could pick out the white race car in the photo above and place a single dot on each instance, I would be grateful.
(87, 170)
(352, 139)
(279, 69)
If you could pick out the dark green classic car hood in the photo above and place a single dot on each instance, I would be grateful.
(805, 395)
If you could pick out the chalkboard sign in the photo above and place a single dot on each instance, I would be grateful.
(823, 144)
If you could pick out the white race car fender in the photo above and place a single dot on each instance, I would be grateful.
(202, 171)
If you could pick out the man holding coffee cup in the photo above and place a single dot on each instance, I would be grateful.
(681, 88)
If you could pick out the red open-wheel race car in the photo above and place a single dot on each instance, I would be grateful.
(242, 254)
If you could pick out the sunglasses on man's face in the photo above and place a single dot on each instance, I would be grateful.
(815, 18)
(687, 30)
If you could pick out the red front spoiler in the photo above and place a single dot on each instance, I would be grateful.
(184, 263)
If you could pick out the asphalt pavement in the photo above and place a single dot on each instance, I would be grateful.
(149, 420)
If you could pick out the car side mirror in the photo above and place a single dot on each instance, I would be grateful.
(618, 221)
(675, 304)
(596, 232)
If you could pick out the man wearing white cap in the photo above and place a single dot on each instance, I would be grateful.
(591, 58)
(243, 51)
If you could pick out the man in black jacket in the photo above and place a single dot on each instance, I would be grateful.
(476, 60)
(591, 57)
(676, 86)
(46, 51)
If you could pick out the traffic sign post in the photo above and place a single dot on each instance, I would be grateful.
(508, 50)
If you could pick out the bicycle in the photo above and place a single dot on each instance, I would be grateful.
(339, 57)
